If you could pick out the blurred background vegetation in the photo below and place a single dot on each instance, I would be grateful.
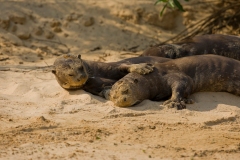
(224, 18)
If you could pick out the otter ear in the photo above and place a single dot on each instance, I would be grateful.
(53, 68)
(79, 56)
(54, 71)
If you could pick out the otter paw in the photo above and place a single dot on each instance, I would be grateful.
(142, 68)
(188, 101)
(105, 94)
(172, 104)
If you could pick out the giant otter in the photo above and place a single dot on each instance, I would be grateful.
(225, 45)
(178, 79)
(72, 72)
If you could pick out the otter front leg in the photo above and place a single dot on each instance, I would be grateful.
(141, 68)
(181, 88)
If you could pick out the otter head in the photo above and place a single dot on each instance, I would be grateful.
(130, 90)
(70, 71)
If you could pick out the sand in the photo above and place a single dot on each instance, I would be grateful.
(40, 120)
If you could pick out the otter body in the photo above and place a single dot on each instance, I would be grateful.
(72, 72)
(224, 45)
(178, 79)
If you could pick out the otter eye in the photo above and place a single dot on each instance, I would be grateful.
(81, 67)
(70, 75)
(79, 56)
(135, 81)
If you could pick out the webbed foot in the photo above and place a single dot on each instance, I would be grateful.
(171, 104)
(142, 68)
(188, 101)
(177, 104)
(105, 93)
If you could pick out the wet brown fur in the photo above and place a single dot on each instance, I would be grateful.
(178, 79)
(72, 72)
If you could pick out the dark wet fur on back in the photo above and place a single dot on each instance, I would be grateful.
(224, 45)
